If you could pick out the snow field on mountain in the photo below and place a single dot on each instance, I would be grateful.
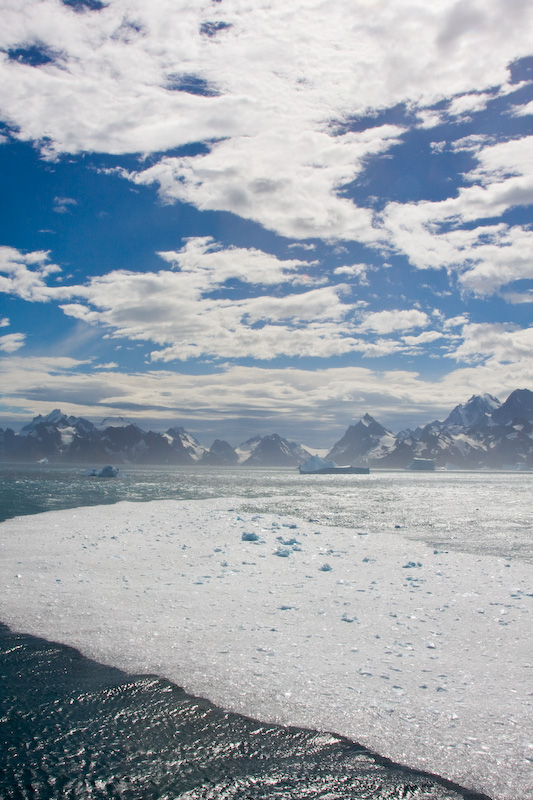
(423, 655)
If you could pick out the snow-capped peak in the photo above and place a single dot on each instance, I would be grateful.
(475, 413)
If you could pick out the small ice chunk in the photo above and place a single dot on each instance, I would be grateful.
(250, 537)
(287, 542)
(325, 568)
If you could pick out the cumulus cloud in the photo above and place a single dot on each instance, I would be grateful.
(422, 338)
(12, 342)
(168, 308)
(486, 256)
(523, 111)
(213, 264)
(287, 180)
(24, 275)
(287, 101)
(495, 343)
(463, 104)
(193, 309)
(271, 88)
(221, 303)
(358, 271)
(384, 322)
(519, 297)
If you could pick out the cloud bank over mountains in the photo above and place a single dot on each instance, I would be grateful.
(334, 206)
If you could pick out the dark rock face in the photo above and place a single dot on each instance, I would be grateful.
(517, 408)
(220, 454)
(368, 440)
(273, 451)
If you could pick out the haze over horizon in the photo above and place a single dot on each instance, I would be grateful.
(264, 217)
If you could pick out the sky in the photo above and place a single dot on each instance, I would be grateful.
(264, 216)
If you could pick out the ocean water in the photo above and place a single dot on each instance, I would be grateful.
(374, 612)
(474, 512)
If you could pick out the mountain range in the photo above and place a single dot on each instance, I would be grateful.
(479, 434)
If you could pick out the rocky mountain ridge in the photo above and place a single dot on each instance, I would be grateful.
(481, 433)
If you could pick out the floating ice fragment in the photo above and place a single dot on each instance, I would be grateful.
(325, 568)
(346, 618)
(282, 552)
(287, 542)
(412, 564)
(250, 537)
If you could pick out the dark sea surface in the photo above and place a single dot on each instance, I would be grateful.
(73, 728)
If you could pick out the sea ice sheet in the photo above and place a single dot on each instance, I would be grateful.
(422, 655)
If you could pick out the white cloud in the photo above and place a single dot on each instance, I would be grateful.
(12, 342)
(283, 79)
(384, 322)
(495, 343)
(456, 322)
(473, 143)
(26, 274)
(294, 402)
(287, 180)
(464, 104)
(195, 310)
(63, 205)
(189, 311)
(489, 256)
(523, 111)
(354, 271)
(428, 118)
(519, 297)
(4, 322)
(501, 261)
(422, 338)
(213, 265)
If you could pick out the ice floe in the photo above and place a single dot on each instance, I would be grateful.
(420, 654)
